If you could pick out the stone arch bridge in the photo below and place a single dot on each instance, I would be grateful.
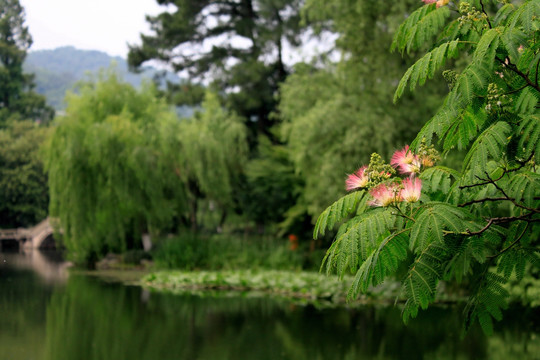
(36, 237)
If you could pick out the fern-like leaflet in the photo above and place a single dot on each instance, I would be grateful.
(432, 222)
(420, 284)
(489, 144)
(488, 301)
(426, 67)
(528, 134)
(381, 263)
(423, 24)
(356, 240)
(337, 212)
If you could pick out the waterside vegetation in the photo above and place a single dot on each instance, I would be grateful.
(237, 187)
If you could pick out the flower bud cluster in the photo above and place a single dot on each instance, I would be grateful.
(470, 15)
(497, 101)
(450, 76)
(428, 154)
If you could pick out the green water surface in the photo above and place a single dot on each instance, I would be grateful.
(80, 317)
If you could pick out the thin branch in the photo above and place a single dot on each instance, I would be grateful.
(509, 198)
(482, 200)
(507, 63)
(505, 171)
(501, 220)
(485, 13)
(524, 217)
(511, 245)
(488, 225)
(516, 90)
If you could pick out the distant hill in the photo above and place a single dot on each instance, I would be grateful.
(58, 70)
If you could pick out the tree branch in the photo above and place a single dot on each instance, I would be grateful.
(481, 201)
(505, 171)
(507, 63)
(485, 13)
(501, 220)
(509, 198)
(511, 245)
(488, 225)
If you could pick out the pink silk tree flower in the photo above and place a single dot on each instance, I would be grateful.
(384, 195)
(405, 161)
(357, 180)
(439, 3)
(412, 189)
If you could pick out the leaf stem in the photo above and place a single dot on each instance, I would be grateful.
(511, 245)
(402, 214)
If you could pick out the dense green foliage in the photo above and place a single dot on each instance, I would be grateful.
(337, 115)
(110, 172)
(24, 197)
(477, 225)
(273, 188)
(23, 183)
(122, 164)
(191, 251)
(213, 152)
(237, 44)
(16, 95)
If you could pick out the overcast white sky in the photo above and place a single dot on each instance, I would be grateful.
(106, 25)
(109, 25)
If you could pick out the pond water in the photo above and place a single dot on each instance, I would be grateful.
(46, 314)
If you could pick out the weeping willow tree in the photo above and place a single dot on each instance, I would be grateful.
(112, 168)
(477, 225)
(214, 151)
(121, 163)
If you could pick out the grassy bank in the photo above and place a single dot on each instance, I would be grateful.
(307, 286)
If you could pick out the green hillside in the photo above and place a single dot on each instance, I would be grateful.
(59, 69)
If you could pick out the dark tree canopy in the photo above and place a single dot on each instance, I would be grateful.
(24, 195)
(16, 95)
(237, 43)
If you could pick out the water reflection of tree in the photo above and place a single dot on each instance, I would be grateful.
(92, 320)
(22, 300)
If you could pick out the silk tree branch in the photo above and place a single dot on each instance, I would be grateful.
(508, 64)
(511, 245)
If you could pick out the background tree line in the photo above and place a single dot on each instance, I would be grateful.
(272, 142)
